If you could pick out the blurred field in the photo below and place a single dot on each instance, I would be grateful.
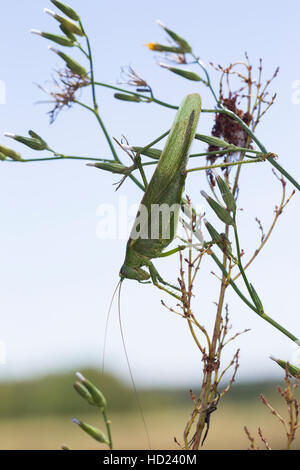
(165, 418)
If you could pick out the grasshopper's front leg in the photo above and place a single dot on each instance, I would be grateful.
(158, 280)
(171, 252)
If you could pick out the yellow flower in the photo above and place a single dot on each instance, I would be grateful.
(152, 46)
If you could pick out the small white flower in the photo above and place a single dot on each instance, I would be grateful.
(50, 12)
(35, 31)
(80, 376)
(164, 66)
(51, 48)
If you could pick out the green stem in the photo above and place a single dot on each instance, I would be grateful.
(108, 140)
(149, 99)
(223, 165)
(82, 50)
(107, 424)
(95, 109)
(141, 170)
(201, 65)
(239, 261)
(102, 127)
(264, 315)
(90, 57)
(232, 283)
(154, 141)
(61, 157)
(280, 328)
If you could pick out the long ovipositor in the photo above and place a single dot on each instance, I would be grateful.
(165, 188)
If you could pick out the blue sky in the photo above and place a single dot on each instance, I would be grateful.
(56, 276)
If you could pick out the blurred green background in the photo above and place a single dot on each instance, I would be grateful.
(37, 413)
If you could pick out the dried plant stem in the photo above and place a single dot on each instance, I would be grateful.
(211, 364)
(253, 445)
(256, 140)
(278, 212)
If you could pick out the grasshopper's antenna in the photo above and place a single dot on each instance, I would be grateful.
(106, 327)
(129, 368)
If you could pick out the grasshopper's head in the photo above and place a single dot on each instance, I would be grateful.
(136, 273)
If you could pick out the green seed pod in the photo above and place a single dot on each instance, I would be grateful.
(95, 433)
(74, 66)
(124, 97)
(2, 156)
(113, 167)
(210, 140)
(293, 370)
(6, 151)
(151, 152)
(220, 239)
(83, 392)
(36, 136)
(98, 397)
(182, 43)
(222, 213)
(227, 195)
(67, 33)
(67, 10)
(216, 237)
(257, 300)
(188, 74)
(62, 40)
(67, 24)
(33, 143)
(154, 46)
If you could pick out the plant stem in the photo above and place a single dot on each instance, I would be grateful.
(61, 157)
(212, 354)
(239, 261)
(224, 165)
(201, 65)
(96, 114)
(109, 140)
(264, 315)
(107, 424)
(147, 98)
(90, 57)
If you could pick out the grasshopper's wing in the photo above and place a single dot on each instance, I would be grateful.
(167, 183)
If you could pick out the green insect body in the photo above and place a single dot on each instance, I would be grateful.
(165, 188)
